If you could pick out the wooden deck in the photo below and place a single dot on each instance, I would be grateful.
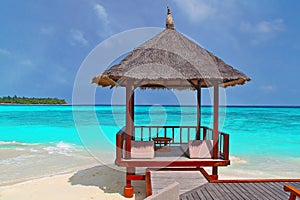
(247, 191)
(187, 180)
(194, 186)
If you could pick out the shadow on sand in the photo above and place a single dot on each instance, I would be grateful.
(107, 179)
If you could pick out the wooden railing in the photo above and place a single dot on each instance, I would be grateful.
(293, 192)
(179, 135)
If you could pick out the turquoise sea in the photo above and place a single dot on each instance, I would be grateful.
(37, 141)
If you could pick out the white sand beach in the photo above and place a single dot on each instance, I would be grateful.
(98, 183)
(95, 182)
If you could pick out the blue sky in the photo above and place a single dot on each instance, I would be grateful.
(43, 43)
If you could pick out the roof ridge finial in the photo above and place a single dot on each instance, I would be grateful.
(169, 21)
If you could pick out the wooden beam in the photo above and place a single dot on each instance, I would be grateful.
(129, 117)
(171, 163)
(226, 146)
(294, 193)
(148, 183)
(130, 171)
(198, 110)
(254, 180)
(132, 114)
(216, 129)
(216, 122)
(128, 189)
(136, 177)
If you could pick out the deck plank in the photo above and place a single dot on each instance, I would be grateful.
(247, 191)
(229, 191)
(195, 196)
(269, 189)
(276, 189)
(219, 193)
(246, 194)
(239, 192)
(187, 180)
(200, 194)
(257, 190)
(194, 186)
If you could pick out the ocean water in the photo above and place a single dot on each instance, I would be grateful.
(37, 141)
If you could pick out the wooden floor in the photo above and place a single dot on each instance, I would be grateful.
(187, 180)
(248, 191)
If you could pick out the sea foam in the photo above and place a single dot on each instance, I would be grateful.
(14, 143)
(61, 148)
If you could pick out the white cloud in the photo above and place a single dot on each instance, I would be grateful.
(263, 30)
(78, 38)
(101, 13)
(268, 88)
(201, 10)
(47, 30)
(26, 62)
(4, 52)
(263, 27)
(270, 26)
(196, 10)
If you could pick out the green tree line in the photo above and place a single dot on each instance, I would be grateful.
(26, 100)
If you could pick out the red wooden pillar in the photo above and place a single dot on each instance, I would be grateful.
(129, 117)
(128, 189)
(132, 133)
(198, 110)
(216, 129)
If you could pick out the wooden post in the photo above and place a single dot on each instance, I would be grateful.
(118, 147)
(216, 128)
(226, 147)
(198, 110)
(132, 114)
(128, 189)
(129, 117)
(294, 193)
(148, 183)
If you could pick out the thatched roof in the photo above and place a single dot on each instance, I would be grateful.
(171, 60)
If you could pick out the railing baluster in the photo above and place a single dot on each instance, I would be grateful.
(142, 135)
(204, 133)
(220, 142)
(180, 135)
(173, 135)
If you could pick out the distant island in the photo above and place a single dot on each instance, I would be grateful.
(30, 100)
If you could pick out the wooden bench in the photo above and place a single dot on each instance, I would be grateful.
(293, 192)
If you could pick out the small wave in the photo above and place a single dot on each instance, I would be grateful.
(61, 148)
(14, 143)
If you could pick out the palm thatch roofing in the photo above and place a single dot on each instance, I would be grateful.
(171, 60)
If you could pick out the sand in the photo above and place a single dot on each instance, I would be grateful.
(103, 183)
(97, 183)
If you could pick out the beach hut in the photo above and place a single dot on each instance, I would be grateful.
(170, 61)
